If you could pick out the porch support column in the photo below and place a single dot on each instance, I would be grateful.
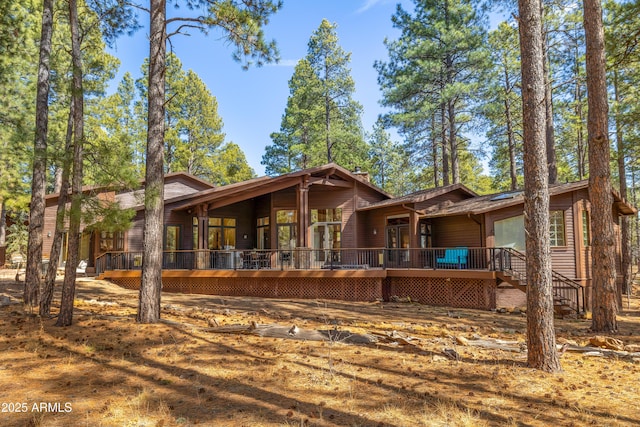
(303, 212)
(414, 230)
(202, 211)
(203, 225)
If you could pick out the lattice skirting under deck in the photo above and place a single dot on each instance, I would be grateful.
(346, 289)
(463, 293)
(440, 291)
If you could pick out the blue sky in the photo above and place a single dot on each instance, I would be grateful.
(251, 103)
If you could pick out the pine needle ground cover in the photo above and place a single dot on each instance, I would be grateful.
(106, 370)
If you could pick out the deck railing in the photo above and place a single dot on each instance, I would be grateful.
(316, 259)
(568, 291)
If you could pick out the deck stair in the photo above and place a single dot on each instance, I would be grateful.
(568, 295)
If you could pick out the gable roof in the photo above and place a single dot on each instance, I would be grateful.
(492, 202)
(197, 184)
(330, 175)
(420, 196)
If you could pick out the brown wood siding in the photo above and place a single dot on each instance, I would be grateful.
(285, 199)
(343, 198)
(134, 235)
(377, 220)
(263, 206)
(49, 227)
(370, 220)
(456, 231)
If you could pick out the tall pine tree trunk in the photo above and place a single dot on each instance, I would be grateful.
(582, 158)
(541, 340)
(65, 317)
(38, 182)
(453, 141)
(327, 126)
(434, 151)
(624, 220)
(3, 223)
(445, 146)
(548, 103)
(151, 282)
(511, 140)
(56, 245)
(604, 301)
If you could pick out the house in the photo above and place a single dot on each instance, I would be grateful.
(329, 233)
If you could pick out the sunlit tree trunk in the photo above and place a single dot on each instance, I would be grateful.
(65, 317)
(56, 244)
(38, 182)
(604, 301)
(151, 282)
(541, 341)
(548, 103)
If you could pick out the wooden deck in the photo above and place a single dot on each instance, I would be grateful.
(454, 288)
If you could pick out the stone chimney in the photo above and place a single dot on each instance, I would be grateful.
(362, 175)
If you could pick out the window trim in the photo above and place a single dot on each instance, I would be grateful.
(564, 229)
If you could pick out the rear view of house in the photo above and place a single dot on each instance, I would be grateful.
(326, 232)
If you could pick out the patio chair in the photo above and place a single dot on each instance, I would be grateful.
(456, 257)
(82, 268)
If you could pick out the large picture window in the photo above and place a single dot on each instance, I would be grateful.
(222, 233)
(510, 233)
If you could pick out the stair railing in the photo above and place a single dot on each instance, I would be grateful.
(568, 291)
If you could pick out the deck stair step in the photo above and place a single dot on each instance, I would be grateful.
(564, 304)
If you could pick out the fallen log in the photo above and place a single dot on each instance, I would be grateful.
(295, 332)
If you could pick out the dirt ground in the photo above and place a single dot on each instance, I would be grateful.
(107, 370)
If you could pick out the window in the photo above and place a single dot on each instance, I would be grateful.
(287, 227)
(195, 233)
(425, 234)
(326, 215)
(222, 233)
(586, 229)
(326, 228)
(111, 241)
(556, 228)
(172, 237)
(263, 233)
(509, 233)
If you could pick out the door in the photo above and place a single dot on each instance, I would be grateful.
(398, 241)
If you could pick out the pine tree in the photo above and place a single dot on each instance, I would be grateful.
(342, 131)
(321, 122)
(541, 342)
(604, 301)
(432, 77)
(242, 24)
(38, 181)
(503, 111)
